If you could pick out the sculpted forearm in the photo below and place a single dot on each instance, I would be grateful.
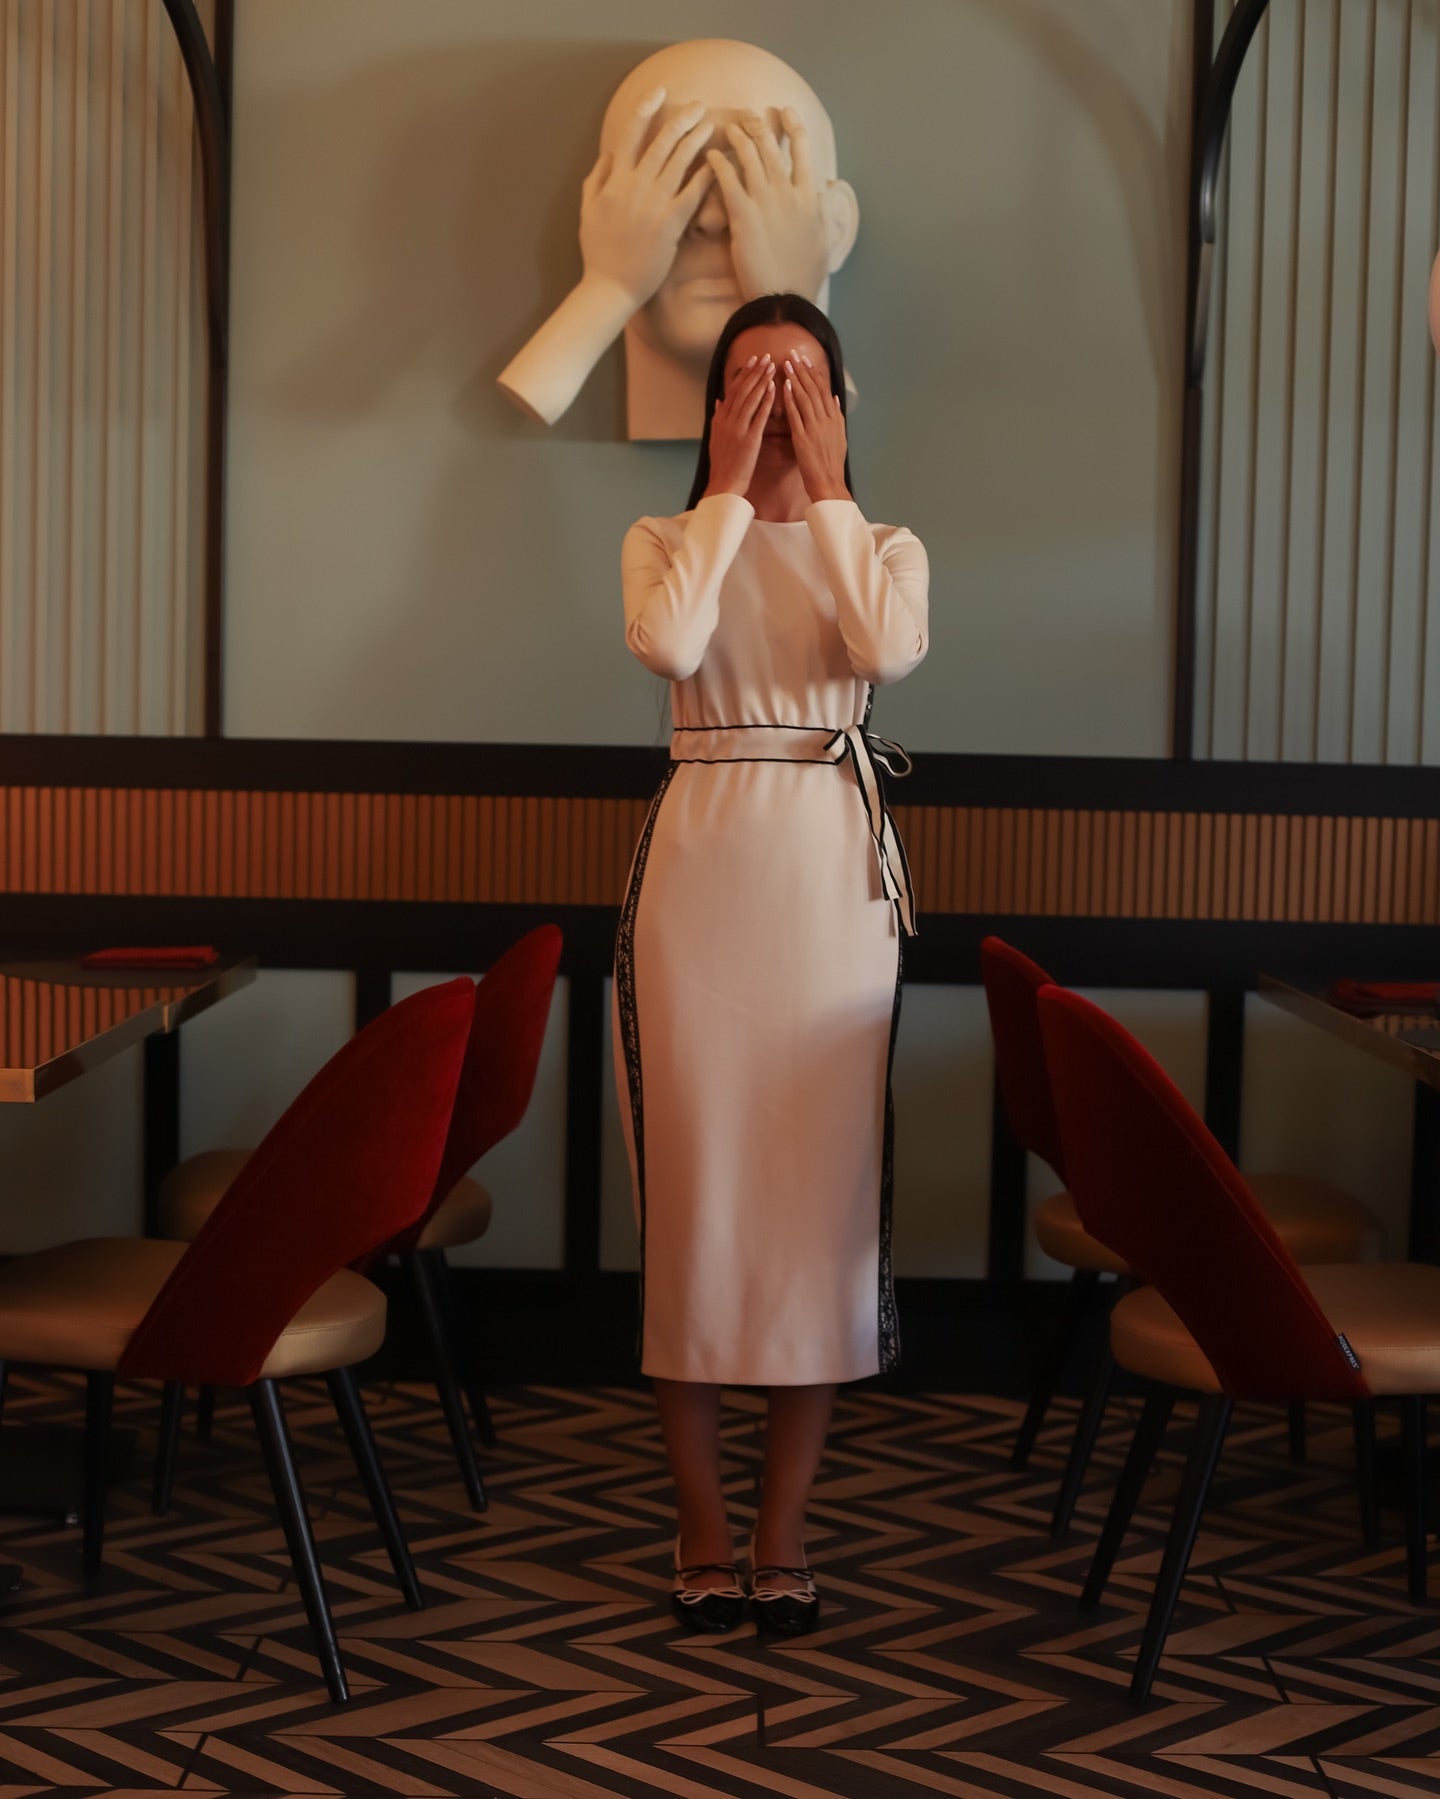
(544, 378)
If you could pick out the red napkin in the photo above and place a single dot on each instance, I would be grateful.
(192, 956)
(1396, 994)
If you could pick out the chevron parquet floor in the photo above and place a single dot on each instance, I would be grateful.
(950, 1660)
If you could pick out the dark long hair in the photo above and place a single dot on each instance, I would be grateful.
(768, 309)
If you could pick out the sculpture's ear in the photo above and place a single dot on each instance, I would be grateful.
(841, 212)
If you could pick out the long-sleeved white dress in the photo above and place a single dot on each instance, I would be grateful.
(757, 972)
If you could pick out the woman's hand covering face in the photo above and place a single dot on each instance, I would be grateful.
(817, 429)
(738, 426)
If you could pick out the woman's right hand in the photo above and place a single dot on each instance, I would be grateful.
(737, 427)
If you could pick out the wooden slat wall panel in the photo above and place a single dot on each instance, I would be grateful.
(1319, 575)
(454, 849)
(102, 372)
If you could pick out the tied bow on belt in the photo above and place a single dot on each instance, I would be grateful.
(819, 743)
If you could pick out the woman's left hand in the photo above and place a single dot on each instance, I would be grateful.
(817, 429)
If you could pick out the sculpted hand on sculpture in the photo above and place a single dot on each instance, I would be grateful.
(698, 202)
(777, 230)
(636, 203)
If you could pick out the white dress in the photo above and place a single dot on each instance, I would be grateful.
(758, 961)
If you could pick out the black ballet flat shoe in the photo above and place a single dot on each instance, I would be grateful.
(779, 1610)
(713, 1609)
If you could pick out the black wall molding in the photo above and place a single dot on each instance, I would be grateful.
(615, 771)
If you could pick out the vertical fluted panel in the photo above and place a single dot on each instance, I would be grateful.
(1319, 571)
(102, 372)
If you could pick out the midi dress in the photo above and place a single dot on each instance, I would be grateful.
(758, 960)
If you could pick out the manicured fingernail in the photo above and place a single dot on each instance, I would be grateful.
(753, 360)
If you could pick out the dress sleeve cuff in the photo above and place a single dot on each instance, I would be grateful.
(721, 504)
(831, 512)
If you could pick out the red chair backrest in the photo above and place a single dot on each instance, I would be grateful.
(1012, 985)
(350, 1163)
(512, 1005)
(1148, 1178)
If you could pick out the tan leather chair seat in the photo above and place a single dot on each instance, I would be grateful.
(461, 1217)
(190, 1193)
(1316, 1222)
(77, 1306)
(1388, 1311)
(1061, 1235)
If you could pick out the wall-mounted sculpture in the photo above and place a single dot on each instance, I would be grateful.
(716, 181)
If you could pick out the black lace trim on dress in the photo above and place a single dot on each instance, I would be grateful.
(888, 1329)
(630, 1023)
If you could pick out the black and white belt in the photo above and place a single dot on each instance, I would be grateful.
(866, 754)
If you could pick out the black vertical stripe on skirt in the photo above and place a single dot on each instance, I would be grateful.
(630, 1023)
(888, 1326)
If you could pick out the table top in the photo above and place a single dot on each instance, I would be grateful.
(1407, 1038)
(57, 1019)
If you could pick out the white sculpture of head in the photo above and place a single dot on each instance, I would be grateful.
(669, 341)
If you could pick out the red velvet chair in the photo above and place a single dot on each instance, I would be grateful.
(512, 1006)
(1318, 1222)
(266, 1291)
(1226, 1314)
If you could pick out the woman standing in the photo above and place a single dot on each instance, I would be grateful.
(758, 962)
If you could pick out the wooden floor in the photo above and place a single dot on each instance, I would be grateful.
(951, 1659)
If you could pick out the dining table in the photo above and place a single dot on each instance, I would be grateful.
(59, 1019)
(1397, 1022)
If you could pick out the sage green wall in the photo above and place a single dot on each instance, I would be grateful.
(409, 558)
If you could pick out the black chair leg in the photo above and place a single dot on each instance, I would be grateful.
(1210, 1431)
(463, 1344)
(1299, 1445)
(1082, 1446)
(432, 1310)
(1363, 1414)
(167, 1447)
(269, 1415)
(99, 1405)
(1052, 1365)
(205, 1414)
(1154, 1416)
(345, 1391)
(1417, 1532)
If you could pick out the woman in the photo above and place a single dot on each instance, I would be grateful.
(758, 961)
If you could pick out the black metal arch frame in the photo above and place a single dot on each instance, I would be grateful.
(1215, 83)
(208, 71)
